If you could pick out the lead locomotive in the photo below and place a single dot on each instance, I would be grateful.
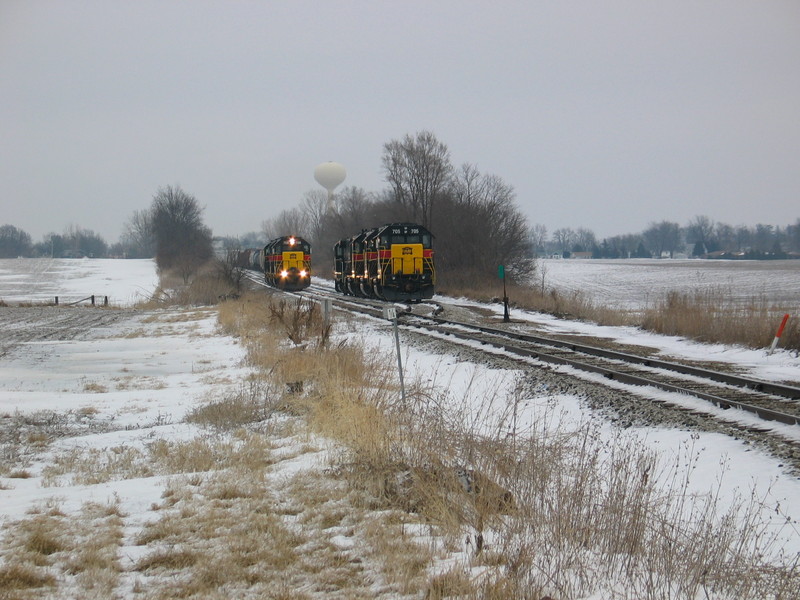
(393, 262)
(285, 262)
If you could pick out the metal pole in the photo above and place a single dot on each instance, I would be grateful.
(389, 312)
(399, 360)
(506, 318)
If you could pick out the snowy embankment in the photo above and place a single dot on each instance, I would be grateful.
(132, 382)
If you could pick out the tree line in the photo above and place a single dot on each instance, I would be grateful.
(72, 243)
(171, 230)
(700, 237)
(474, 217)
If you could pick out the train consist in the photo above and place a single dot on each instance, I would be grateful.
(285, 262)
(393, 262)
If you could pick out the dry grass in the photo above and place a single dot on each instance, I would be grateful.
(48, 549)
(551, 512)
(706, 315)
(14, 576)
(95, 388)
(19, 474)
(253, 402)
(710, 316)
(575, 305)
(90, 466)
(229, 534)
(422, 497)
(212, 283)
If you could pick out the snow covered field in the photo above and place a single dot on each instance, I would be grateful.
(637, 283)
(124, 282)
(136, 379)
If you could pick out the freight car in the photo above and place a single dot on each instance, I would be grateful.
(393, 262)
(284, 261)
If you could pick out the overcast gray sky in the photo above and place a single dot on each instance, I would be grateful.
(606, 115)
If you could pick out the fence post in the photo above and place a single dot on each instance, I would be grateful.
(92, 299)
(105, 300)
(56, 300)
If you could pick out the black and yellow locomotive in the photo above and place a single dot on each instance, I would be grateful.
(393, 262)
(285, 262)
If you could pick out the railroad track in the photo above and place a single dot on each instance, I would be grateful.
(767, 400)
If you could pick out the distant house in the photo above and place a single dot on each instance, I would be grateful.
(581, 255)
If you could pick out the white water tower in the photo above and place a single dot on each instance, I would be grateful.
(329, 175)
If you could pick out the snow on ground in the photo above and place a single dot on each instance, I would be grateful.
(636, 283)
(781, 365)
(124, 282)
(151, 371)
(710, 461)
(140, 377)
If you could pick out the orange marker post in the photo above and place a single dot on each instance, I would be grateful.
(778, 334)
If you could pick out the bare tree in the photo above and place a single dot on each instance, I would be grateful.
(291, 221)
(418, 170)
(793, 237)
(14, 242)
(764, 237)
(356, 209)
(663, 237)
(584, 239)
(725, 236)
(538, 237)
(182, 240)
(480, 213)
(700, 233)
(563, 239)
(138, 236)
(316, 214)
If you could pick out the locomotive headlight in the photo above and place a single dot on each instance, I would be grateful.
(291, 241)
(284, 273)
(303, 273)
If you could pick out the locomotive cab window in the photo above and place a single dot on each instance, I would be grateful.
(423, 239)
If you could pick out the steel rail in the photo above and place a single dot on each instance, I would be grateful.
(445, 326)
(766, 414)
(767, 387)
